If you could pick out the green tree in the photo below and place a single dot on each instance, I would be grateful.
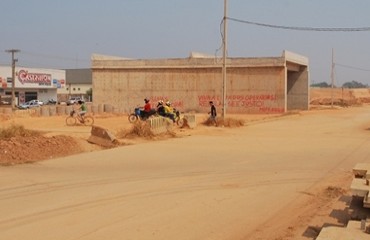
(354, 84)
(321, 85)
(89, 94)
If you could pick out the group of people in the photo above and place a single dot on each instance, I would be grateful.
(165, 109)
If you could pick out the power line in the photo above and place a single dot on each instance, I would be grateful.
(51, 56)
(54, 61)
(352, 67)
(358, 29)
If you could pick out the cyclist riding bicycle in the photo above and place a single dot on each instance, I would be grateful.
(83, 109)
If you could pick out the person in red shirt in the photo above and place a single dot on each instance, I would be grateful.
(147, 106)
(148, 111)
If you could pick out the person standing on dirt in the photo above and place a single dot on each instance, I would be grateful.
(213, 113)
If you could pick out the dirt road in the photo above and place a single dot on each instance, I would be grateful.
(271, 180)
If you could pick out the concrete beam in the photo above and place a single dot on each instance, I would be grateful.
(187, 63)
(353, 231)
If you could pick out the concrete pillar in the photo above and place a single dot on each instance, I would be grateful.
(45, 111)
(108, 108)
(94, 109)
(100, 108)
(68, 109)
(52, 110)
(61, 110)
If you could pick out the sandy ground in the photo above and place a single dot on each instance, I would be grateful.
(275, 178)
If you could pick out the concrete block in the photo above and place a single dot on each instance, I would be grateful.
(353, 231)
(362, 170)
(366, 202)
(359, 187)
(102, 137)
(190, 120)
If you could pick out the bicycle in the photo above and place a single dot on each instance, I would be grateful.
(73, 117)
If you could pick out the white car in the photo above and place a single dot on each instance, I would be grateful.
(73, 100)
(35, 101)
(3, 102)
(30, 104)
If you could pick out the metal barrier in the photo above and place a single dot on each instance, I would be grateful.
(159, 124)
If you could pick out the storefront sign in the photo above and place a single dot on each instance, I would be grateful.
(41, 79)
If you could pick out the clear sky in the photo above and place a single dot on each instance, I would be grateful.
(64, 33)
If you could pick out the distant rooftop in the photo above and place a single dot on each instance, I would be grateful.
(79, 76)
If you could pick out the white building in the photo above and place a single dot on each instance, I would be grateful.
(32, 83)
(78, 84)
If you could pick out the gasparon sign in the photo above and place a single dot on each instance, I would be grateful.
(41, 79)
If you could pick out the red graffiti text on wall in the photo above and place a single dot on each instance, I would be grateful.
(260, 101)
(204, 100)
(174, 103)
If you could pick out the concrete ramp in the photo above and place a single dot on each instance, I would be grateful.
(102, 137)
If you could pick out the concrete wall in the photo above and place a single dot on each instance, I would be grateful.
(254, 85)
(298, 90)
(256, 90)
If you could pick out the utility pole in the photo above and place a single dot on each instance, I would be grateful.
(332, 77)
(14, 60)
(224, 62)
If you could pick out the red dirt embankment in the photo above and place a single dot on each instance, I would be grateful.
(339, 96)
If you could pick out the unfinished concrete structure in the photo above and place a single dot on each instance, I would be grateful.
(356, 230)
(253, 85)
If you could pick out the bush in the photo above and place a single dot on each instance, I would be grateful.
(225, 122)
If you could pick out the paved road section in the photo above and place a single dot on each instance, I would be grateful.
(223, 185)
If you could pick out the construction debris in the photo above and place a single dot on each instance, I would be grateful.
(355, 230)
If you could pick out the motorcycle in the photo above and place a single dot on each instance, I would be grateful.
(176, 117)
(140, 114)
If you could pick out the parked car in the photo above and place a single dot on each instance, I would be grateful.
(51, 102)
(73, 100)
(30, 104)
(3, 102)
(35, 101)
